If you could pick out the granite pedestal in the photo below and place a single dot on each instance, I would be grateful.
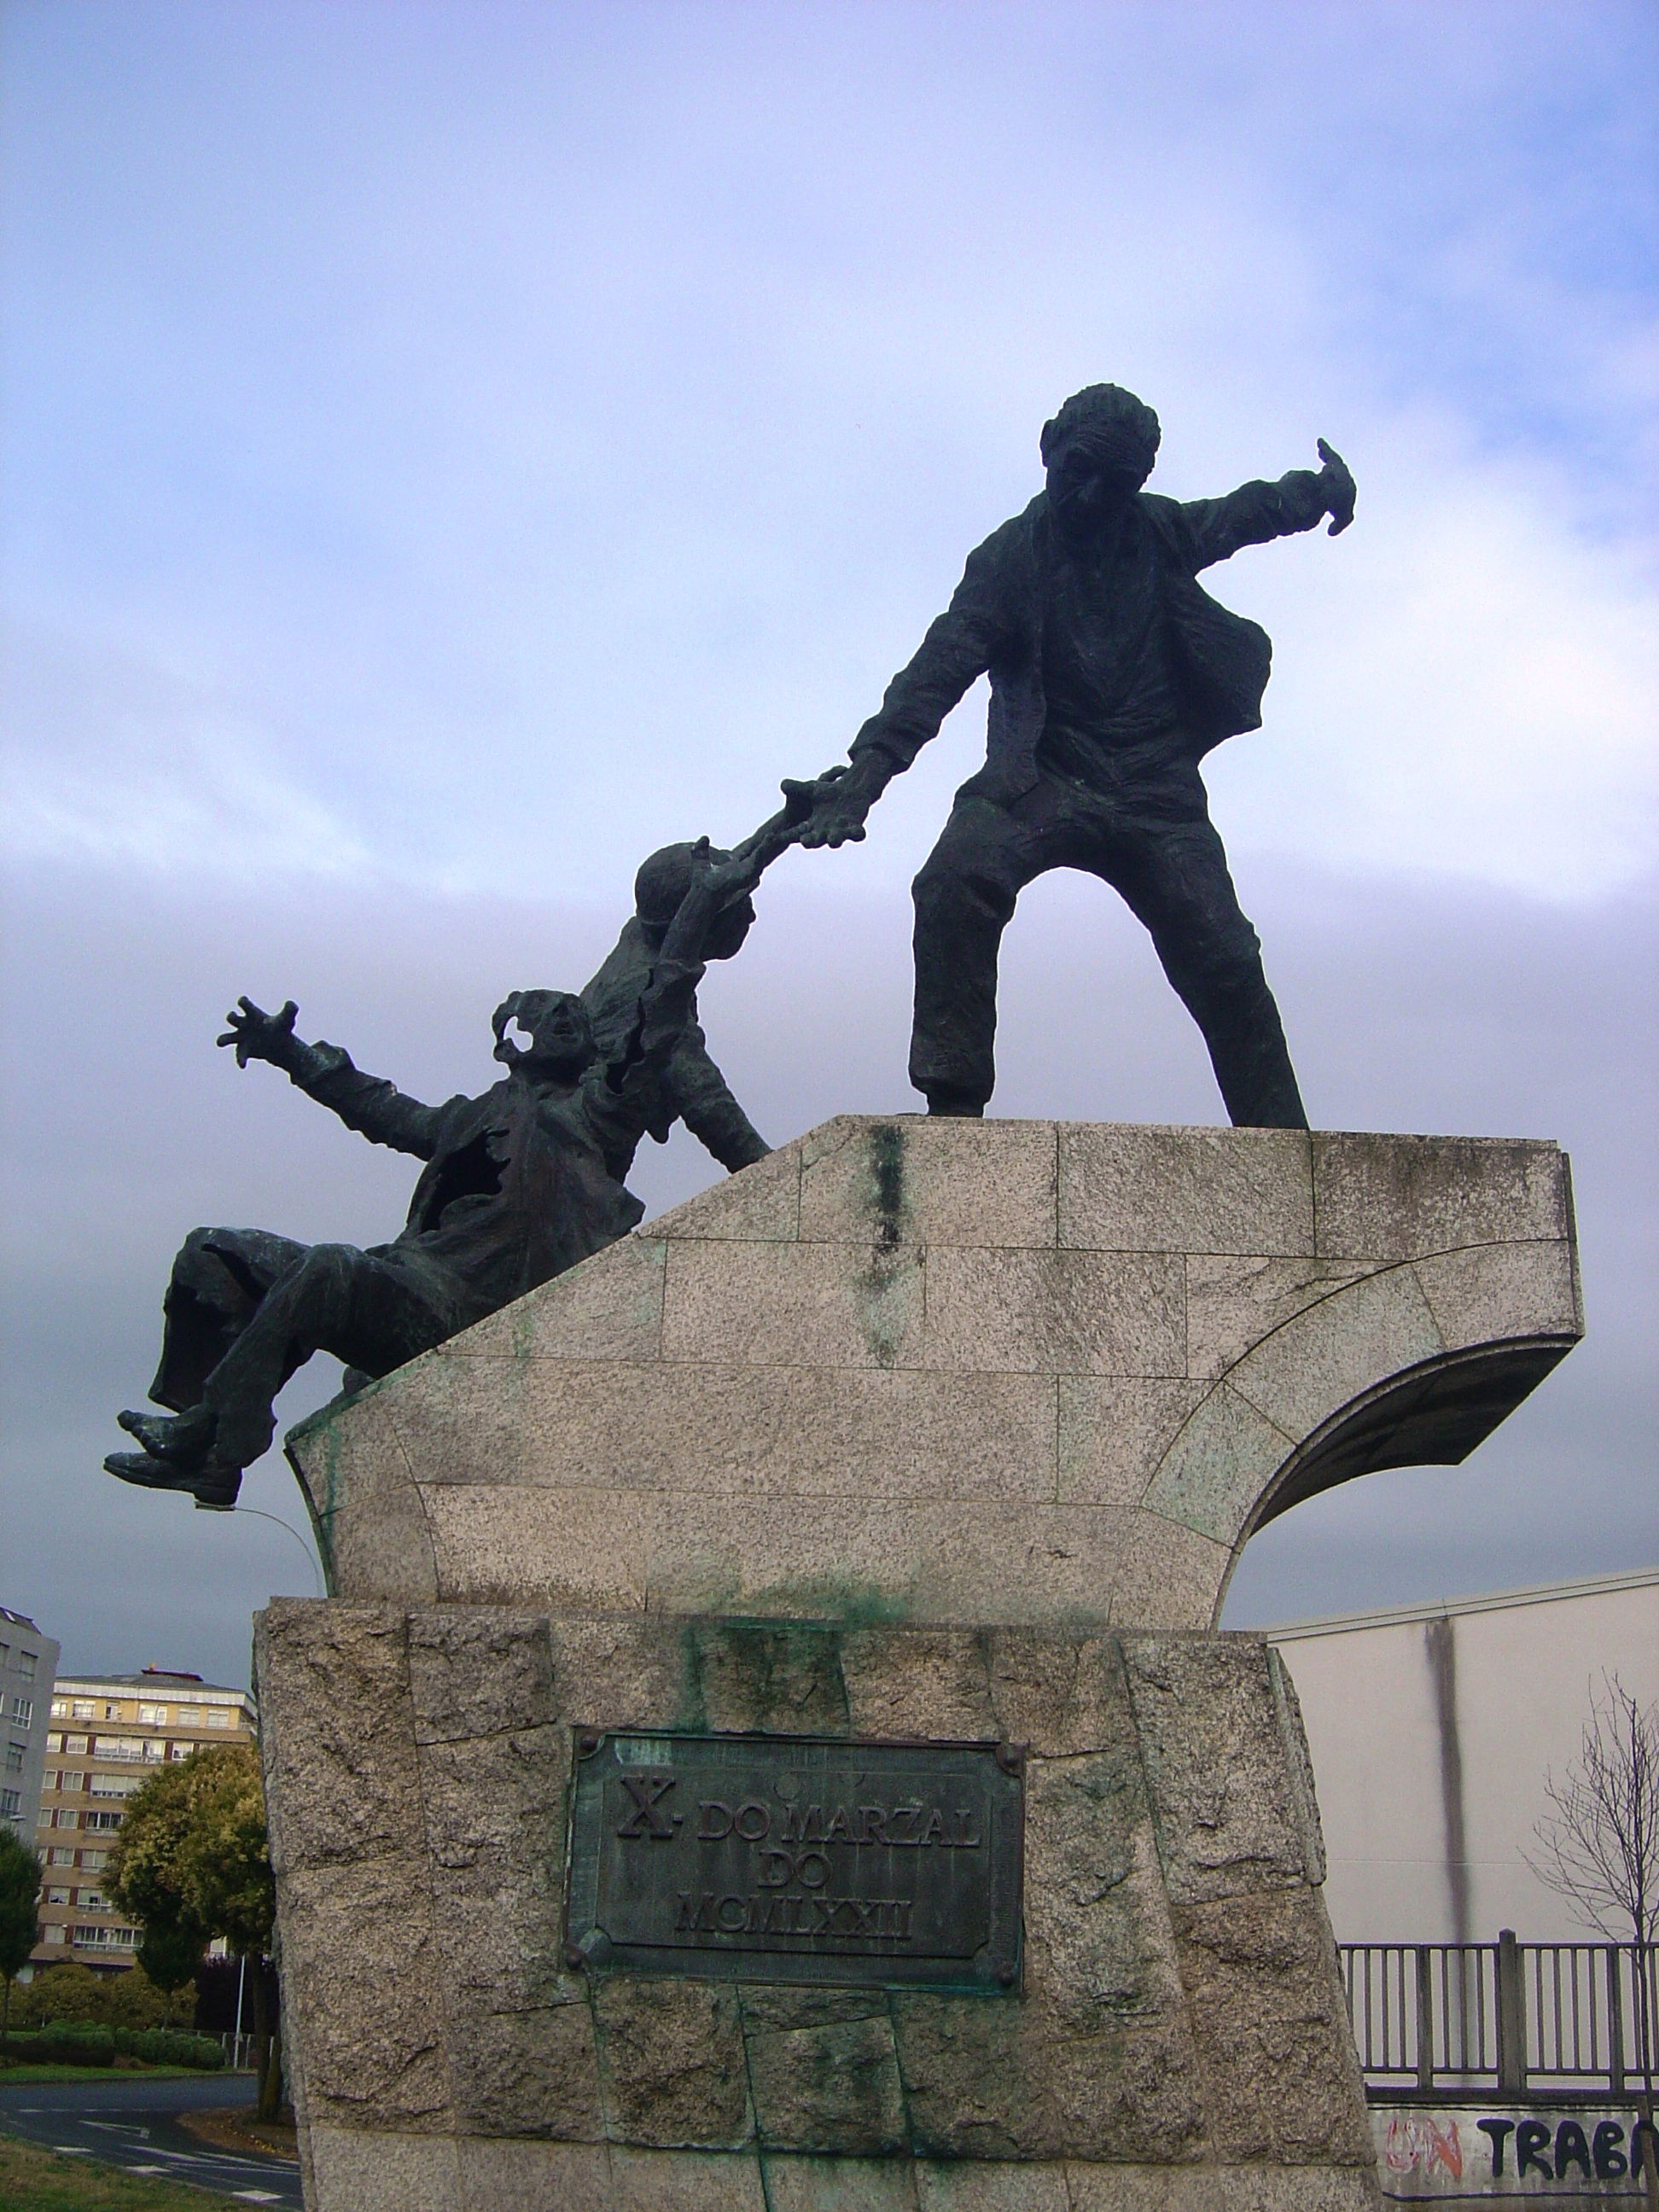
(938, 1430)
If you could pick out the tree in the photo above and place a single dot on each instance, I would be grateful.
(191, 1862)
(19, 1927)
(168, 1956)
(1598, 1847)
(68, 1991)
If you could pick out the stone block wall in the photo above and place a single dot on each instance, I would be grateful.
(1012, 1372)
(1179, 2041)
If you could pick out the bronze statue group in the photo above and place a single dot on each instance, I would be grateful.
(1112, 674)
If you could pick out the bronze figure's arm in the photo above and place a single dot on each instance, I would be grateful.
(958, 647)
(1215, 529)
(377, 1110)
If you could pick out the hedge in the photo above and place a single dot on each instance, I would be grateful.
(82, 2043)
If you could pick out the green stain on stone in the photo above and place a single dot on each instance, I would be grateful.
(887, 1284)
(887, 1287)
(887, 1163)
(780, 1675)
(821, 1602)
(693, 1713)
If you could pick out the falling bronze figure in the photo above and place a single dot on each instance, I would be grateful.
(1113, 673)
(519, 1185)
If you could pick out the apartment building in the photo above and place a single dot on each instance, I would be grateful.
(28, 1661)
(105, 1734)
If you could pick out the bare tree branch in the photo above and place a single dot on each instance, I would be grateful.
(1598, 1845)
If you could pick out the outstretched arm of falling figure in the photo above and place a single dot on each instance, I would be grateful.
(377, 1110)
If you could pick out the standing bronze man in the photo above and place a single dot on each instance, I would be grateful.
(1112, 674)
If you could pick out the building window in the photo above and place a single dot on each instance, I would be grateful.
(55, 1933)
(81, 1710)
(57, 1856)
(91, 1900)
(26, 1664)
(11, 1803)
(218, 1717)
(114, 1785)
(105, 1820)
(117, 1747)
(89, 1935)
(5, 1655)
(57, 1896)
(22, 1711)
(92, 1860)
(75, 1745)
(68, 1782)
(14, 1758)
(152, 1716)
(112, 1713)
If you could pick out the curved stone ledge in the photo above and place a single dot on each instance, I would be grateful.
(954, 1371)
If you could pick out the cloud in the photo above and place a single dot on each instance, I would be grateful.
(505, 427)
(1464, 684)
(112, 760)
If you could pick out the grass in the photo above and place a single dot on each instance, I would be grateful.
(35, 2181)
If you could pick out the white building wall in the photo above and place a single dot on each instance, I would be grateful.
(1432, 1728)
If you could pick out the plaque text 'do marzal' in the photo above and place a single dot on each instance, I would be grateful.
(777, 1858)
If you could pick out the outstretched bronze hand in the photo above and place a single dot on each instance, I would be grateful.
(259, 1035)
(1339, 488)
(839, 799)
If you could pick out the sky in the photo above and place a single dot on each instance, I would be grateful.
(452, 449)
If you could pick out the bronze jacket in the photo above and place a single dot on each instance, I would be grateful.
(994, 624)
(526, 1179)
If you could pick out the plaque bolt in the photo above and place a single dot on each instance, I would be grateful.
(574, 1957)
(588, 1742)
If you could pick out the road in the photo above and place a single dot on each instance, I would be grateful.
(134, 2124)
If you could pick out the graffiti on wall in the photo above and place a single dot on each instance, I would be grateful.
(1417, 2142)
(1424, 2154)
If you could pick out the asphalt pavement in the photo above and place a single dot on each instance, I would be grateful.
(134, 2124)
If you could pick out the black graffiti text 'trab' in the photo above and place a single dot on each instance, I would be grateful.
(1566, 2151)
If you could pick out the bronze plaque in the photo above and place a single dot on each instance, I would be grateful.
(779, 1858)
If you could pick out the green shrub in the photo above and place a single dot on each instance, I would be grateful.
(82, 2043)
(172, 2046)
(127, 1999)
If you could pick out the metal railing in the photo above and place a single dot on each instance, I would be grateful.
(1517, 2018)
